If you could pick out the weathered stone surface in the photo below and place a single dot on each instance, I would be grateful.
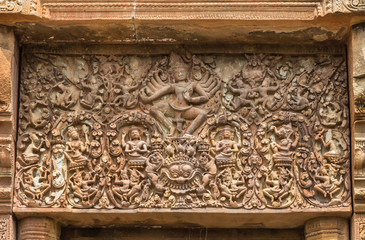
(5, 79)
(357, 63)
(358, 226)
(38, 228)
(327, 228)
(8, 85)
(77, 146)
(7, 227)
(183, 131)
(7, 59)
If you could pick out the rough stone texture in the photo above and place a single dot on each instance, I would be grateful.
(5, 79)
(327, 228)
(7, 57)
(311, 21)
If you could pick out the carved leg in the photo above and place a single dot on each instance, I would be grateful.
(157, 112)
(326, 228)
(38, 228)
(199, 116)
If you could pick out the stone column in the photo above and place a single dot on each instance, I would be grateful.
(356, 63)
(8, 111)
(38, 228)
(327, 228)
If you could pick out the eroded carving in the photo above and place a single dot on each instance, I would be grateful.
(11, 6)
(178, 132)
(4, 228)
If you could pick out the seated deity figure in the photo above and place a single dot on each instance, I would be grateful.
(283, 145)
(36, 182)
(185, 94)
(278, 185)
(331, 149)
(231, 184)
(32, 152)
(327, 183)
(226, 148)
(75, 147)
(83, 186)
(135, 148)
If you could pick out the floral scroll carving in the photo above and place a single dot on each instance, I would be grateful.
(179, 131)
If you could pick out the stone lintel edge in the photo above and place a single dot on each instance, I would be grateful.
(343, 211)
(159, 49)
(268, 10)
(158, 10)
(209, 218)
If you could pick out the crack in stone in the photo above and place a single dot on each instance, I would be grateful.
(133, 17)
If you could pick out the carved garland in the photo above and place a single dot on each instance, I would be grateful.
(178, 132)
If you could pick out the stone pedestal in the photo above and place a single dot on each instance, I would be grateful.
(38, 228)
(327, 228)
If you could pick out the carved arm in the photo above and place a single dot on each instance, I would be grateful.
(159, 93)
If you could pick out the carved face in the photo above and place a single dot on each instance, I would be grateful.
(74, 134)
(239, 83)
(115, 143)
(58, 151)
(180, 73)
(134, 134)
(181, 173)
(284, 131)
(95, 148)
(227, 134)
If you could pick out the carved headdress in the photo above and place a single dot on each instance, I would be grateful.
(132, 128)
(177, 61)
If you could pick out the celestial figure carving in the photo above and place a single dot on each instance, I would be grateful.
(242, 92)
(279, 186)
(75, 147)
(328, 184)
(83, 186)
(32, 152)
(153, 165)
(185, 95)
(226, 148)
(36, 183)
(64, 95)
(135, 148)
(282, 149)
(207, 162)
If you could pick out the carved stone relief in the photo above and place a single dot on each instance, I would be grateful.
(183, 131)
(4, 229)
(359, 226)
(11, 6)
(19, 6)
(355, 5)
